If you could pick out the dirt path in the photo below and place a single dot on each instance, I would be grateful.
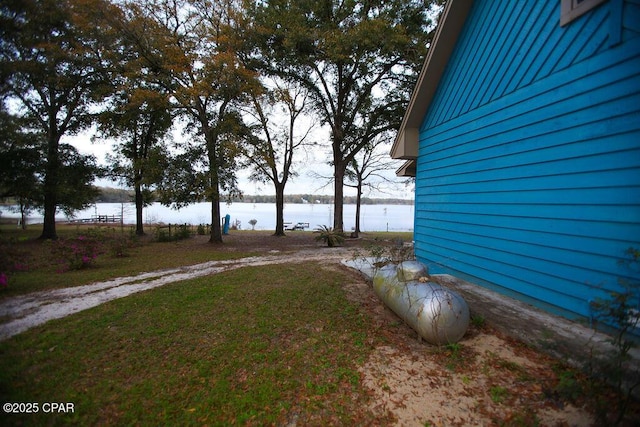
(27, 311)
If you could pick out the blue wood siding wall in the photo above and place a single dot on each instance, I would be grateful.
(528, 175)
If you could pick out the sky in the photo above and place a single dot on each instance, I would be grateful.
(308, 164)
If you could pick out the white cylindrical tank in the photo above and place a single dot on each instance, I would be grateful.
(439, 315)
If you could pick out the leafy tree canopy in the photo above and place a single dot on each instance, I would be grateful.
(52, 74)
(357, 58)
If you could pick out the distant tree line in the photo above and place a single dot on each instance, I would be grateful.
(117, 195)
(324, 199)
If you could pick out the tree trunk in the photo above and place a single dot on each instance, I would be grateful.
(211, 137)
(216, 227)
(23, 213)
(338, 205)
(279, 211)
(51, 188)
(358, 199)
(139, 206)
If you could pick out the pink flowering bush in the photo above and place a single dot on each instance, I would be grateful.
(11, 261)
(78, 253)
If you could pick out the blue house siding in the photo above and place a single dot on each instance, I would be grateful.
(528, 169)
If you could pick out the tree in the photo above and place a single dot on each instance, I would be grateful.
(359, 83)
(140, 158)
(77, 171)
(22, 176)
(271, 151)
(139, 118)
(138, 115)
(367, 170)
(21, 164)
(52, 71)
(193, 45)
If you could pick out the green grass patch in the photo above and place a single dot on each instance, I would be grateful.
(259, 346)
(498, 394)
(405, 236)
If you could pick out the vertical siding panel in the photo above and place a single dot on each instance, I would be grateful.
(535, 50)
(496, 43)
(528, 175)
(593, 30)
(474, 47)
(533, 23)
(497, 77)
(585, 42)
(560, 42)
(458, 76)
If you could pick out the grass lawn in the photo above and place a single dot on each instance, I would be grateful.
(257, 346)
(282, 344)
(264, 345)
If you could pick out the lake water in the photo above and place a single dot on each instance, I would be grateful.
(372, 217)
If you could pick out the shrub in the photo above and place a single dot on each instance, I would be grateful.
(173, 233)
(163, 235)
(202, 230)
(120, 244)
(330, 236)
(77, 253)
(11, 260)
(183, 231)
(379, 256)
(619, 310)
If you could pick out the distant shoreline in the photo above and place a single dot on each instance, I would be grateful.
(117, 195)
(373, 217)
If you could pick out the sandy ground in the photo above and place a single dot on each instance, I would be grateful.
(422, 385)
(418, 391)
(406, 377)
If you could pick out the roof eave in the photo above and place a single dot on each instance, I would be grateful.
(452, 20)
(408, 169)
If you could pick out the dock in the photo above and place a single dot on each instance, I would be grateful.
(96, 219)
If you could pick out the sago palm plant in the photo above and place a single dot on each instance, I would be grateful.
(329, 235)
